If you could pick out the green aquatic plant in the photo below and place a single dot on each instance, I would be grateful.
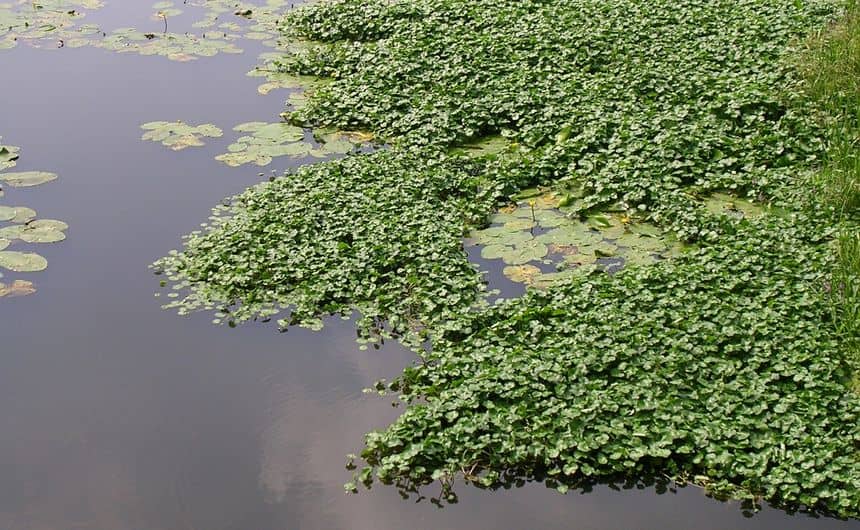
(702, 368)
(178, 135)
(720, 366)
(625, 114)
(384, 236)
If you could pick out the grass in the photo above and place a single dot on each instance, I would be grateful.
(831, 69)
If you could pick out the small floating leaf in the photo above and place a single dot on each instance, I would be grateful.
(521, 273)
(17, 288)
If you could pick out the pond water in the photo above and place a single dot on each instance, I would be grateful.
(115, 414)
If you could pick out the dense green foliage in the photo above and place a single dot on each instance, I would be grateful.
(629, 101)
(645, 373)
(724, 366)
(380, 233)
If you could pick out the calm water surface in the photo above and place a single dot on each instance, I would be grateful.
(116, 415)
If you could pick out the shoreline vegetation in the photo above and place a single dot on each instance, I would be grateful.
(830, 66)
(728, 365)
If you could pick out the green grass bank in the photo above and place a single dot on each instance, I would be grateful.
(729, 366)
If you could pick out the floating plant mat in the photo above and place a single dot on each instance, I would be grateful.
(535, 235)
(19, 226)
(42, 22)
(179, 135)
(266, 141)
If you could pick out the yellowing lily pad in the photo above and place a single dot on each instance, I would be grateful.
(16, 288)
(521, 273)
(724, 204)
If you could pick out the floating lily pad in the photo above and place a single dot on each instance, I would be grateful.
(7, 213)
(8, 156)
(41, 235)
(16, 288)
(521, 273)
(25, 179)
(22, 261)
(179, 135)
(724, 204)
(23, 214)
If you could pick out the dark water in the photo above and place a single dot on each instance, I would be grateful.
(116, 415)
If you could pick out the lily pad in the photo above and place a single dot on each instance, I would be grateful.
(495, 251)
(521, 273)
(16, 288)
(43, 234)
(22, 261)
(7, 213)
(27, 179)
(724, 204)
(525, 252)
(23, 214)
(8, 156)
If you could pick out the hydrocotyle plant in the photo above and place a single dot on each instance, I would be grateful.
(721, 365)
